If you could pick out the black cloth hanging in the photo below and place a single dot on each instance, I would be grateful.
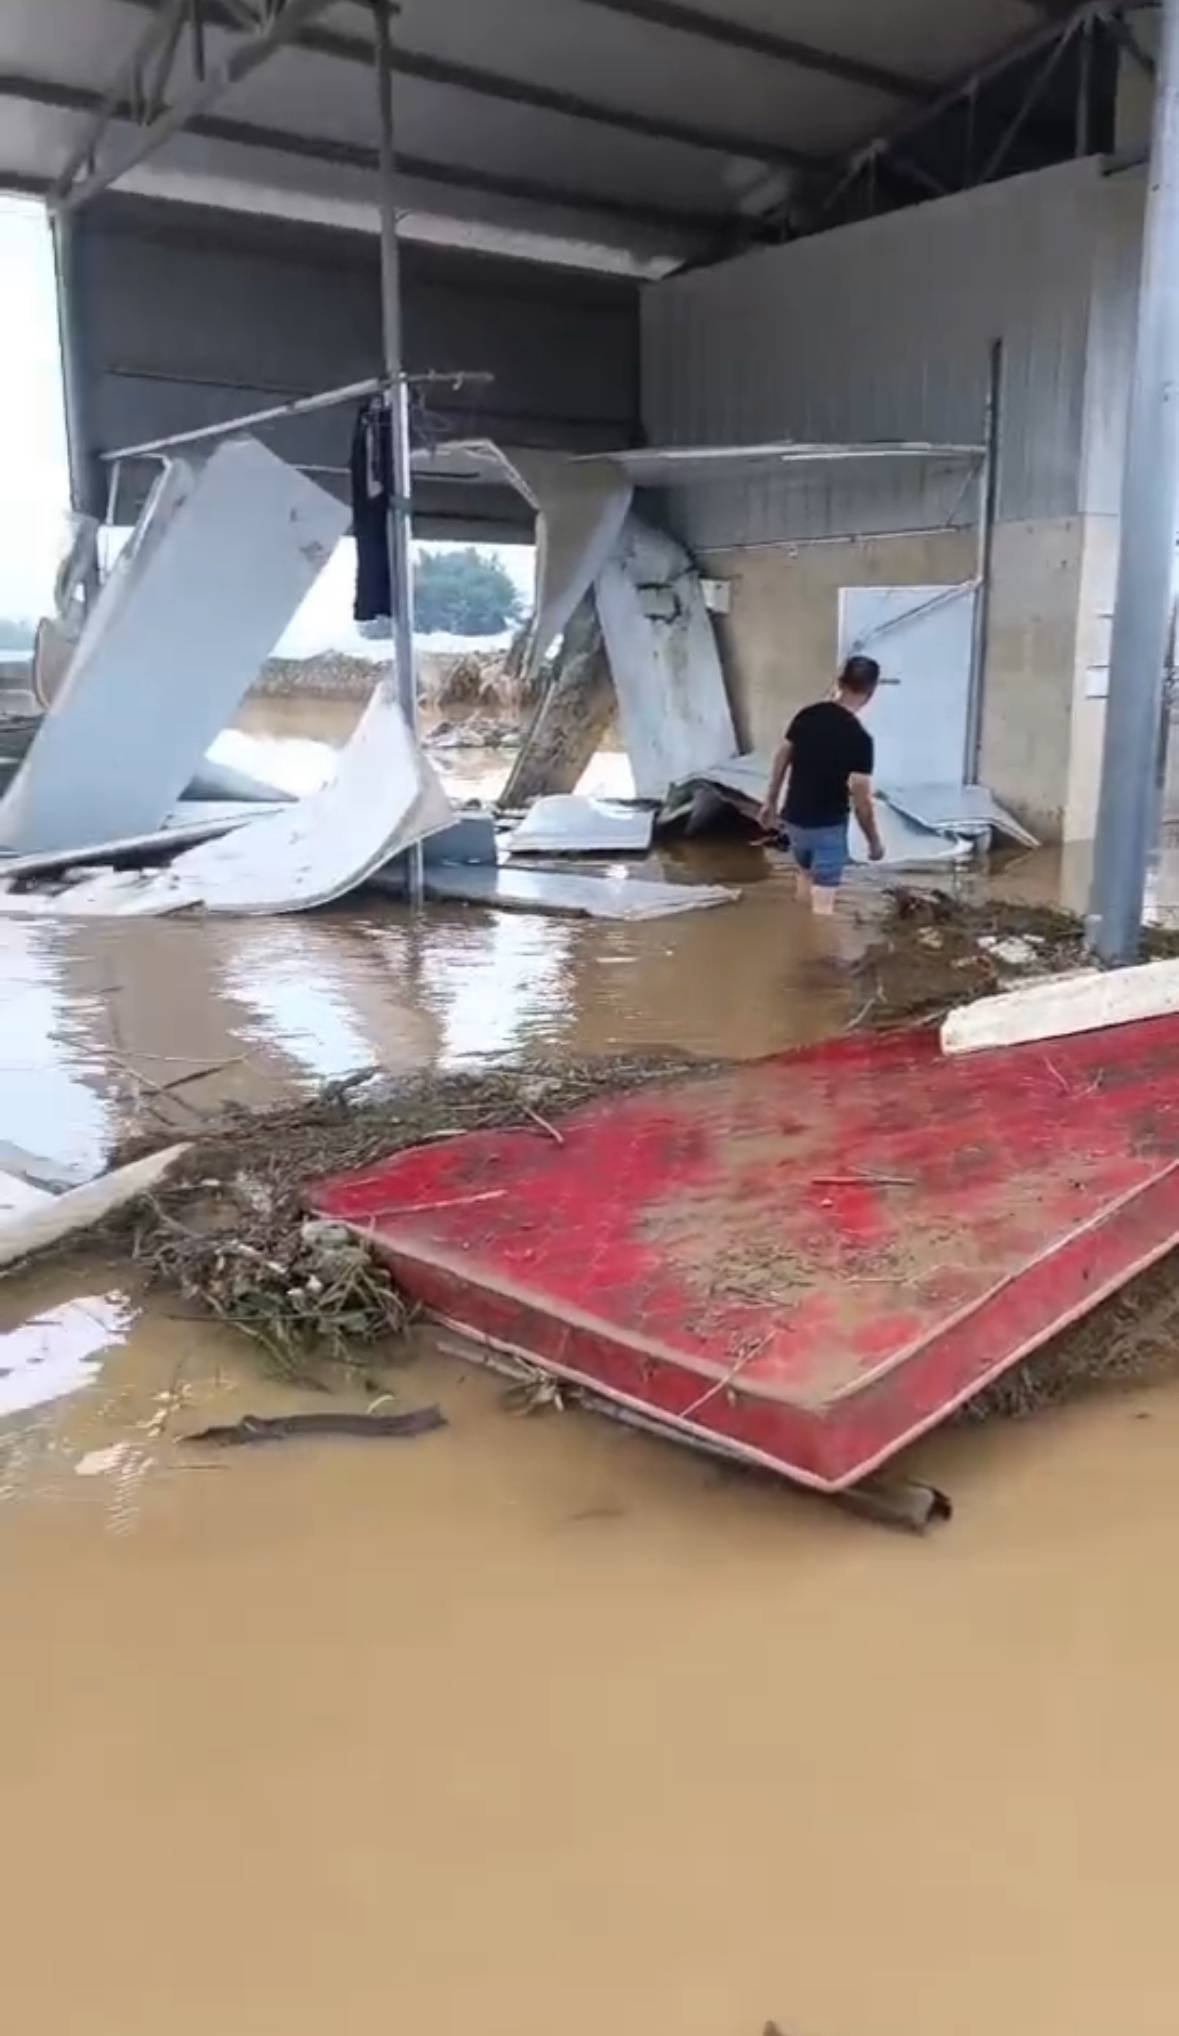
(372, 482)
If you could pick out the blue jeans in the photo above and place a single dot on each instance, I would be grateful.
(820, 852)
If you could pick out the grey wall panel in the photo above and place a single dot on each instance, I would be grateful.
(187, 316)
(882, 330)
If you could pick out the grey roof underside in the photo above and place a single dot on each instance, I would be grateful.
(633, 133)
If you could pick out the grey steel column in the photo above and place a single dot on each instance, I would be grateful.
(78, 448)
(988, 481)
(400, 512)
(1146, 563)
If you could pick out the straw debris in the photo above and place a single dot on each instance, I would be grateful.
(939, 951)
(230, 1230)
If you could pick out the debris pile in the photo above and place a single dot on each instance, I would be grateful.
(229, 1230)
(1128, 1342)
(939, 951)
(330, 675)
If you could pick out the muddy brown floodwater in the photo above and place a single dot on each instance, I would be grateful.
(534, 1726)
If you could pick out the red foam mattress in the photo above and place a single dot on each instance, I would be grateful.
(808, 1260)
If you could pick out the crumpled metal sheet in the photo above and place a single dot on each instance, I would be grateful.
(960, 809)
(384, 797)
(571, 892)
(908, 844)
(563, 823)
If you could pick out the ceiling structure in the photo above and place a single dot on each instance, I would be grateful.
(637, 135)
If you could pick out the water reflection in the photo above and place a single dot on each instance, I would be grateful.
(48, 1102)
(100, 1020)
(60, 1351)
(508, 980)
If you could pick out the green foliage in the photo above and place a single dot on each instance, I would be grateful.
(467, 593)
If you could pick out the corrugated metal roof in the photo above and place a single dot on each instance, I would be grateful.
(636, 130)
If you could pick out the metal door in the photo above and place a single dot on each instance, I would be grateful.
(921, 638)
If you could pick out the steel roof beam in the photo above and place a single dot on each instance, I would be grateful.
(761, 42)
(1055, 30)
(355, 155)
(277, 22)
(482, 84)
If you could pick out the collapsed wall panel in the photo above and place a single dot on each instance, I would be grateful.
(672, 703)
(221, 558)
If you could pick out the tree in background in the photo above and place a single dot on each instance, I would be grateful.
(465, 593)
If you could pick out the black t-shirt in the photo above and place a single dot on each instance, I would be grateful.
(829, 746)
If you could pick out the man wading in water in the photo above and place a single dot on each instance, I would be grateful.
(825, 761)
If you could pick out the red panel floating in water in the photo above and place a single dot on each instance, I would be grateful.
(809, 1259)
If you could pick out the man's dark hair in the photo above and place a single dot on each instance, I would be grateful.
(861, 676)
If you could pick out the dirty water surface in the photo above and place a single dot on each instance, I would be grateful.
(533, 1725)
(539, 1724)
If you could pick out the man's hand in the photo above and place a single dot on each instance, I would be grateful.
(876, 850)
(767, 819)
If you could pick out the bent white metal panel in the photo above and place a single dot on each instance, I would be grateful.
(383, 798)
(222, 557)
(19, 1197)
(34, 1228)
(206, 824)
(908, 843)
(672, 702)
(563, 823)
(1058, 1006)
(580, 510)
(580, 506)
(569, 893)
(965, 809)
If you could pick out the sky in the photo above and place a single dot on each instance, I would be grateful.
(34, 473)
(34, 477)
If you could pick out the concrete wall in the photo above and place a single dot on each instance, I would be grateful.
(779, 640)
(882, 330)
(1029, 679)
(779, 645)
(1110, 362)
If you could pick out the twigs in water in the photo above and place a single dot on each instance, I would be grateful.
(282, 1427)
(230, 1231)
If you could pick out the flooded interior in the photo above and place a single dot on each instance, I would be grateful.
(534, 1724)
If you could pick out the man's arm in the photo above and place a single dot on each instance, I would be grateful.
(860, 787)
(781, 766)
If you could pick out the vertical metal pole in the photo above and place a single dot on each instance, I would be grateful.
(81, 464)
(1146, 560)
(988, 490)
(112, 494)
(397, 398)
(1082, 136)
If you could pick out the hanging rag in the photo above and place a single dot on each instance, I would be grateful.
(372, 475)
